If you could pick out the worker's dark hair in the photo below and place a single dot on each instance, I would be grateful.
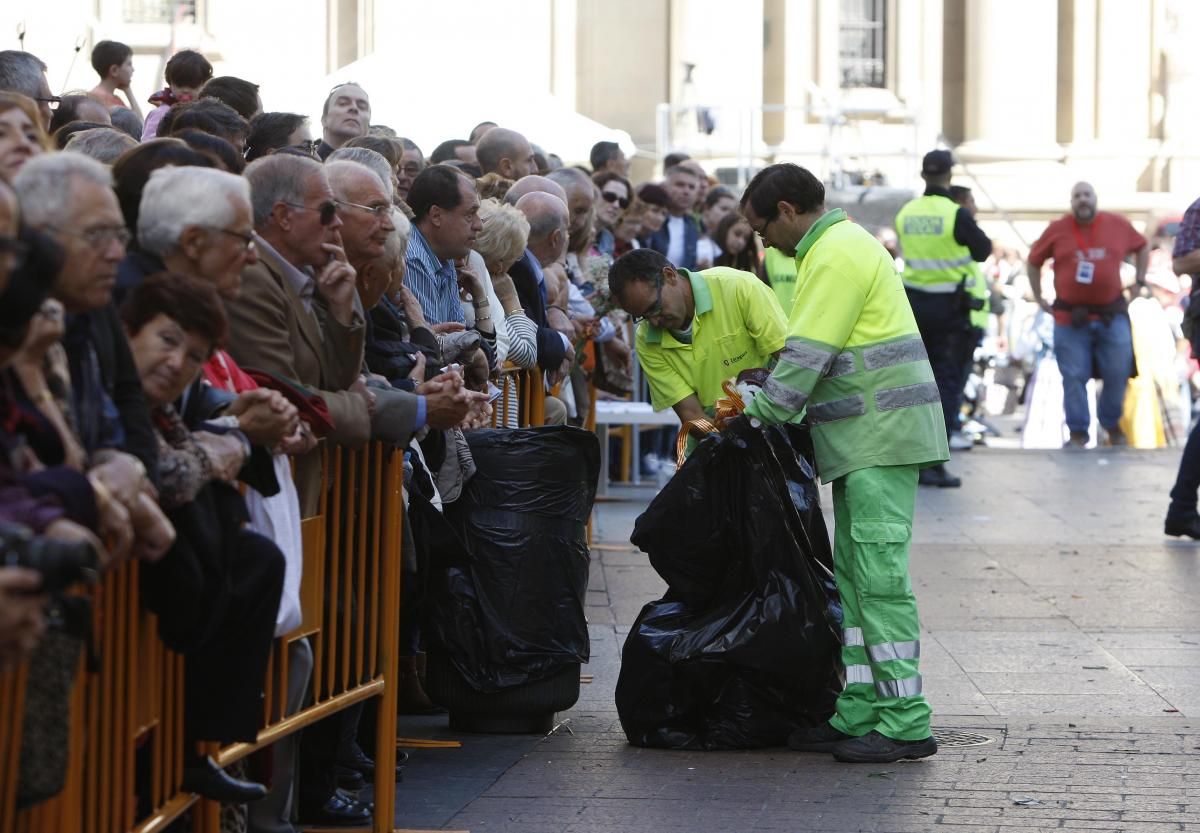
(784, 182)
(644, 265)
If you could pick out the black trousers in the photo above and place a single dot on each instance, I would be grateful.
(224, 677)
(946, 329)
(1187, 482)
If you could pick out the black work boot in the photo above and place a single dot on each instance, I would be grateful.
(816, 738)
(874, 748)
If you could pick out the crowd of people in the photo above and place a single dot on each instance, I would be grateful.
(194, 297)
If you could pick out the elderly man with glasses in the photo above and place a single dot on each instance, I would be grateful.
(695, 329)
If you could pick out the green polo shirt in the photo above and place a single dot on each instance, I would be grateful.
(738, 324)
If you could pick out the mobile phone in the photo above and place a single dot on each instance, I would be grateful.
(494, 393)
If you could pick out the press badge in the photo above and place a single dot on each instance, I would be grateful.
(1084, 271)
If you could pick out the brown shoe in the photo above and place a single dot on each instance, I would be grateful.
(1079, 439)
(1116, 437)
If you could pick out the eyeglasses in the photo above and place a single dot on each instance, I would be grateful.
(328, 210)
(609, 196)
(246, 237)
(380, 211)
(762, 233)
(98, 236)
(309, 147)
(52, 100)
(655, 309)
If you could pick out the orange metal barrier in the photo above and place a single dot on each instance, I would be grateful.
(128, 717)
(523, 396)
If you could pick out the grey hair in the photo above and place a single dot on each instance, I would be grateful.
(44, 185)
(396, 246)
(21, 72)
(505, 231)
(101, 143)
(178, 198)
(280, 177)
(372, 159)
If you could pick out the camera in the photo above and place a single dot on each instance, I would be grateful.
(60, 563)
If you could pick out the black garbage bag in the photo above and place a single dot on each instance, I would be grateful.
(745, 647)
(505, 601)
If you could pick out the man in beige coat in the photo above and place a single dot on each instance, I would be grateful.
(296, 314)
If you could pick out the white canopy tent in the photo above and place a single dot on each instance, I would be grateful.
(429, 111)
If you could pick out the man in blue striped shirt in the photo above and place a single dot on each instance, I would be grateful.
(445, 224)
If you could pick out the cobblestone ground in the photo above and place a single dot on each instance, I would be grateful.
(1059, 624)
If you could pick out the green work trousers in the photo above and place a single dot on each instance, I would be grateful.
(881, 647)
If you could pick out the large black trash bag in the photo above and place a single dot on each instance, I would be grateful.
(745, 647)
(506, 599)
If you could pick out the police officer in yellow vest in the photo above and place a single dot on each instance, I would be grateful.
(940, 241)
(855, 365)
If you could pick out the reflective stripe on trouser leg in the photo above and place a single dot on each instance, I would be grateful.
(855, 712)
(873, 516)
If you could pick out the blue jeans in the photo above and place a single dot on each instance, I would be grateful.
(1110, 347)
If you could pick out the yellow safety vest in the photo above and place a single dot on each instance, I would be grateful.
(933, 260)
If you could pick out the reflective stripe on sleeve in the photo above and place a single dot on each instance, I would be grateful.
(853, 637)
(908, 687)
(889, 651)
(782, 395)
(842, 365)
(806, 355)
(860, 674)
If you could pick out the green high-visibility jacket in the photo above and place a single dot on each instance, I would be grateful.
(854, 360)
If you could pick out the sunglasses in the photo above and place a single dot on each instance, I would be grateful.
(609, 196)
(327, 209)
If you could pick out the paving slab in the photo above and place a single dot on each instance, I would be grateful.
(1058, 625)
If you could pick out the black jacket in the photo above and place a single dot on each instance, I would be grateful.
(550, 348)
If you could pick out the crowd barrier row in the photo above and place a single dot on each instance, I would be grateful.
(126, 718)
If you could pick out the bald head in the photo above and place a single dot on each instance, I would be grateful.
(581, 195)
(505, 152)
(1083, 202)
(532, 185)
(548, 220)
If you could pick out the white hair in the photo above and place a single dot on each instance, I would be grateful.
(177, 198)
(104, 144)
(372, 160)
(44, 185)
(396, 246)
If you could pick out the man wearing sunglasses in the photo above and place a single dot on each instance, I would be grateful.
(855, 367)
(295, 315)
(695, 329)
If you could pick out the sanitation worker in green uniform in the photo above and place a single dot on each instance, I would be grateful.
(854, 364)
(696, 330)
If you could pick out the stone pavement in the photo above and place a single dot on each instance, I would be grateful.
(1060, 625)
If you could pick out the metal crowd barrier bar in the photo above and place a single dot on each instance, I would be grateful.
(128, 718)
(522, 401)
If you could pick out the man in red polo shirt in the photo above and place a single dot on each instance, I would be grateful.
(1091, 326)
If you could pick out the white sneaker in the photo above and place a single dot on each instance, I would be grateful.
(961, 442)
